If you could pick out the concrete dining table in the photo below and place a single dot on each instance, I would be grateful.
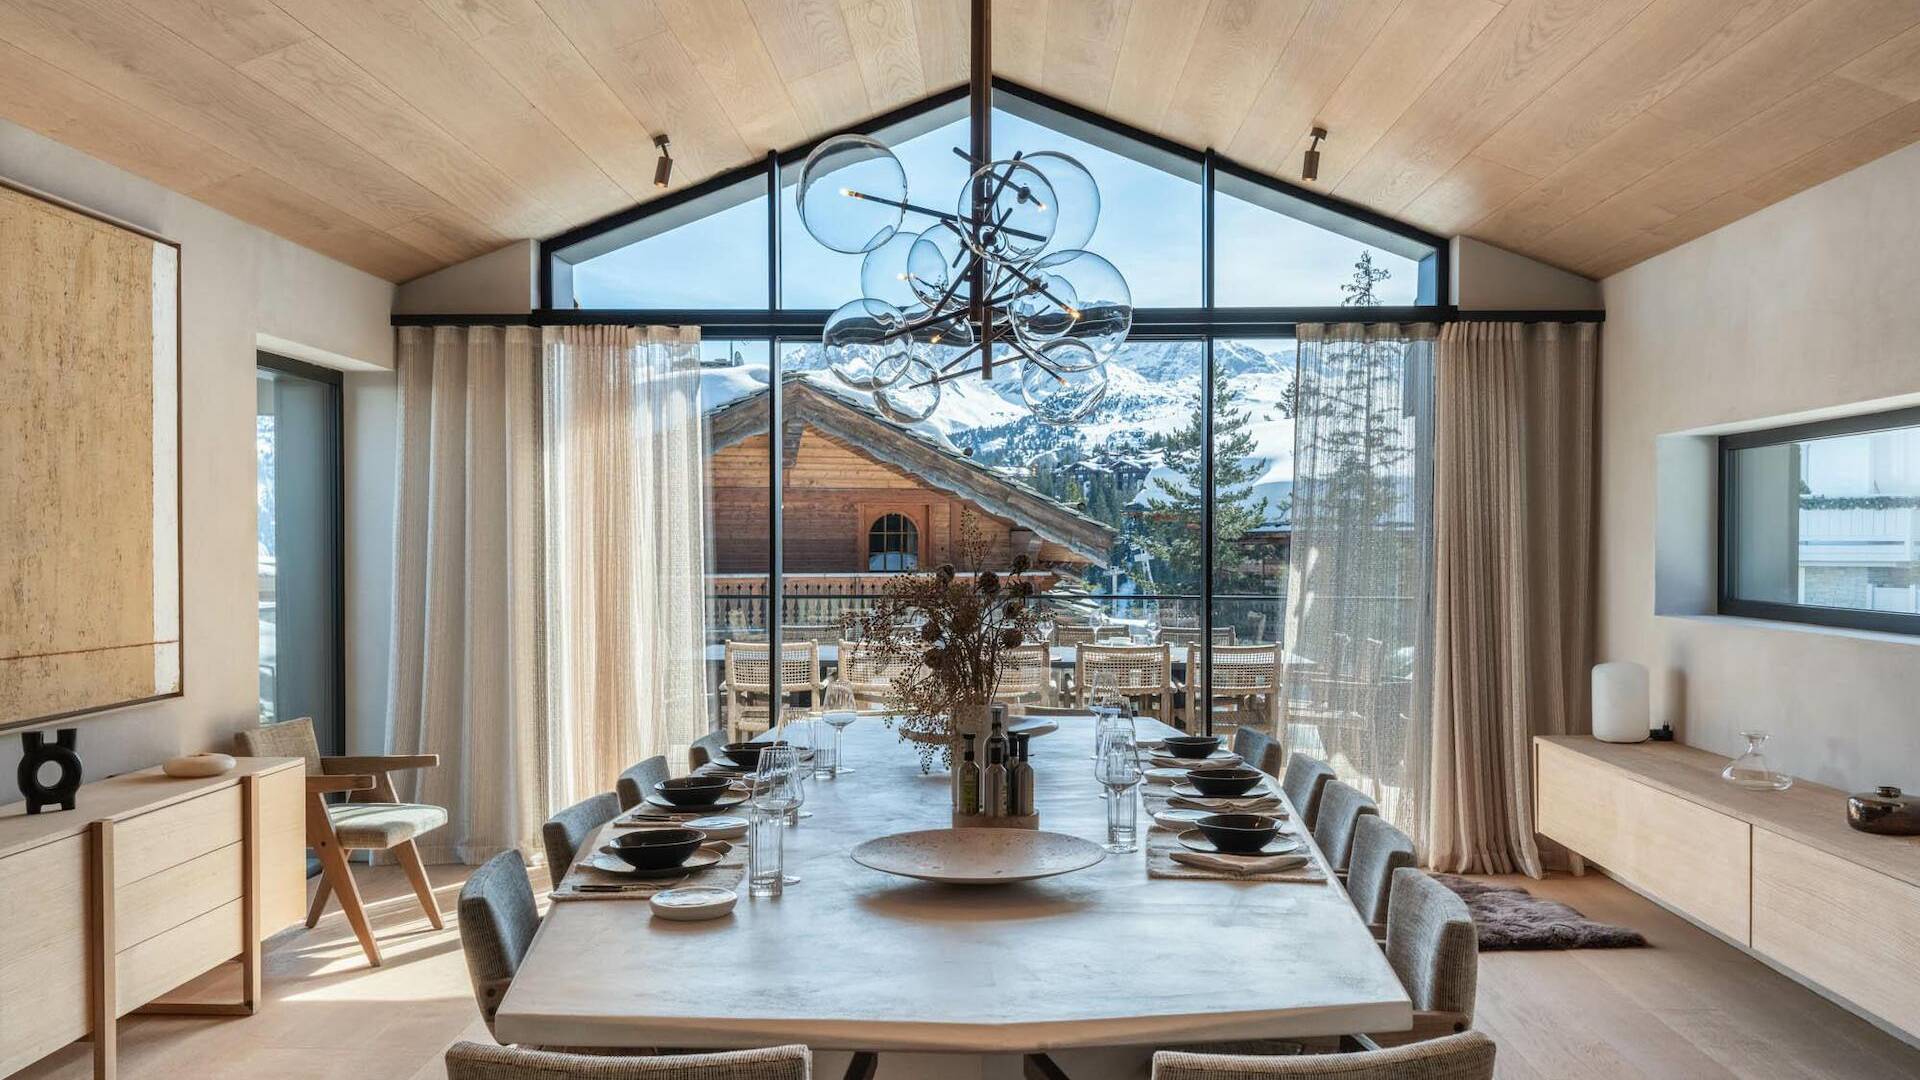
(1099, 966)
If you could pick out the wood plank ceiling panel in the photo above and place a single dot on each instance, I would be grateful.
(402, 135)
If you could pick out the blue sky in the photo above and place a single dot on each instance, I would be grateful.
(1149, 228)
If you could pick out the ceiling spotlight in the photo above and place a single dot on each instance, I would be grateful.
(663, 169)
(1310, 168)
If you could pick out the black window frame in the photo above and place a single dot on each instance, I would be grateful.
(1885, 622)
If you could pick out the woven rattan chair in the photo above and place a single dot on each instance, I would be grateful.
(748, 682)
(635, 784)
(870, 669)
(1379, 850)
(372, 819)
(1026, 674)
(1338, 699)
(1178, 636)
(1240, 685)
(497, 922)
(477, 1061)
(1468, 1056)
(1304, 782)
(1341, 807)
(565, 831)
(1142, 671)
(1074, 633)
(1433, 948)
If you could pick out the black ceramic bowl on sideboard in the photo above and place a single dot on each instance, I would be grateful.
(1191, 746)
(658, 849)
(693, 790)
(1239, 834)
(1226, 783)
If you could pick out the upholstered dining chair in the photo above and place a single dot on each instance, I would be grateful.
(1379, 850)
(1304, 781)
(705, 748)
(497, 922)
(372, 819)
(638, 780)
(477, 1061)
(1341, 807)
(1467, 1056)
(1257, 749)
(565, 831)
(1434, 950)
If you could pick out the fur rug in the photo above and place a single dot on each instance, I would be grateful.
(1510, 917)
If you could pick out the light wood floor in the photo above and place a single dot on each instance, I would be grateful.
(1689, 1007)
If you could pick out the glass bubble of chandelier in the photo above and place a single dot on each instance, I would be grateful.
(1007, 267)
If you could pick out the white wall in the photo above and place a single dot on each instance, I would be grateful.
(237, 284)
(370, 405)
(1808, 304)
(1482, 277)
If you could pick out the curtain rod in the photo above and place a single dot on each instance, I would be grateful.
(1224, 322)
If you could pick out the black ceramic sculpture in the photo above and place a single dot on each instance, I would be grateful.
(35, 753)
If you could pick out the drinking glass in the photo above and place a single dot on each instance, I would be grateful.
(839, 710)
(1118, 768)
(1103, 701)
(766, 835)
(777, 788)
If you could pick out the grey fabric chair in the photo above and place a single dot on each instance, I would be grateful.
(497, 921)
(638, 780)
(475, 1061)
(1467, 1056)
(1341, 807)
(1379, 850)
(705, 748)
(1303, 782)
(1257, 749)
(1432, 947)
(565, 831)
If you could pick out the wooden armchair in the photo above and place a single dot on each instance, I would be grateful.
(371, 819)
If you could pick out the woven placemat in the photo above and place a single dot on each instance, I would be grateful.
(1161, 843)
(728, 873)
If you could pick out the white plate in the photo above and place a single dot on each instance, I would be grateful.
(978, 856)
(719, 826)
(692, 903)
(1180, 819)
(703, 857)
(1159, 775)
(1279, 845)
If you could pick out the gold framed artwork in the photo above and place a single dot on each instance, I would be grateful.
(89, 463)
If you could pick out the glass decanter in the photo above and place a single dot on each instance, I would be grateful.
(1751, 771)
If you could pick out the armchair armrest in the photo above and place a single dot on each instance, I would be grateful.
(377, 763)
(318, 785)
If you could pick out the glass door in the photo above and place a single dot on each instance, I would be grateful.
(298, 494)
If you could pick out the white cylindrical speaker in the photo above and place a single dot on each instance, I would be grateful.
(1621, 709)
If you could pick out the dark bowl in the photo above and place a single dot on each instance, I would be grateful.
(658, 849)
(746, 754)
(1239, 834)
(1191, 746)
(1224, 783)
(693, 790)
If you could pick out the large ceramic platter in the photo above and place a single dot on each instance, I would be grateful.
(978, 856)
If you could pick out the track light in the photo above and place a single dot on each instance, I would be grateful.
(663, 169)
(1310, 168)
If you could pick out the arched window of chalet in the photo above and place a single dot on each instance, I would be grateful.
(893, 543)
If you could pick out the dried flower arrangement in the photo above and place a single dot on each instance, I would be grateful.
(946, 634)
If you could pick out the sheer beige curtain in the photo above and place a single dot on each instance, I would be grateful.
(1513, 553)
(466, 674)
(626, 550)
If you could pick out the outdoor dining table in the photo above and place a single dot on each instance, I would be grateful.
(853, 959)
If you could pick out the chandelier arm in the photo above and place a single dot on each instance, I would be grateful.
(1035, 284)
(941, 214)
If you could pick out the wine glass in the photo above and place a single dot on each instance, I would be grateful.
(1103, 701)
(1118, 769)
(776, 790)
(839, 709)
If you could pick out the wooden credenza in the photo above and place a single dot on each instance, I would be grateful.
(148, 883)
(1778, 873)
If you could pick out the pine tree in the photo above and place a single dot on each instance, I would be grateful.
(1170, 528)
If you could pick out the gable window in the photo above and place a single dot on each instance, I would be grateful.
(893, 543)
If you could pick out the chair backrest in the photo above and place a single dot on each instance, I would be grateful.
(815, 632)
(1379, 850)
(497, 921)
(565, 831)
(1341, 807)
(749, 668)
(1024, 669)
(1190, 635)
(638, 780)
(1466, 1056)
(705, 748)
(1305, 780)
(870, 667)
(1257, 748)
(1073, 634)
(1431, 944)
(1241, 668)
(288, 738)
(478, 1061)
(1136, 668)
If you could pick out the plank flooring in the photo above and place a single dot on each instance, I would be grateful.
(1689, 1007)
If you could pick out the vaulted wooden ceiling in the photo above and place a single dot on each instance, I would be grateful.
(405, 135)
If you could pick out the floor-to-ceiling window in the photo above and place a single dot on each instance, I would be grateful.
(297, 490)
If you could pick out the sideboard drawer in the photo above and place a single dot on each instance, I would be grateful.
(43, 951)
(162, 901)
(1689, 856)
(172, 957)
(174, 834)
(1848, 928)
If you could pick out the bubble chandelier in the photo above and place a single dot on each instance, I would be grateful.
(1008, 266)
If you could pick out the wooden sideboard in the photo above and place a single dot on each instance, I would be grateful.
(147, 884)
(1778, 873)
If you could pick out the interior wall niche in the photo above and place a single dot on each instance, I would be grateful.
(89, 463)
